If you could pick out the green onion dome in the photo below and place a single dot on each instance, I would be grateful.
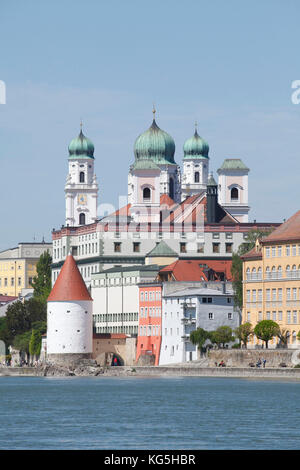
(156, 145)
(195, 147)
(81, 147)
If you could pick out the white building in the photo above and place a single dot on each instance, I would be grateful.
(115, 293)
(186, 310)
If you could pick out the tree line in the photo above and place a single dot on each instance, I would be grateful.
(25, 322)
(264, 330)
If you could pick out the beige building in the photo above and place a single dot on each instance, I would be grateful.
(271, 282)
(18, 266)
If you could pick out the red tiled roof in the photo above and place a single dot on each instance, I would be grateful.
(69, 285)
(289, 230)
(7, 298)
(252, 254)
(166, 200)
(197, 270)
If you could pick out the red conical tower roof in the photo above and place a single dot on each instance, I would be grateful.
(69, 285)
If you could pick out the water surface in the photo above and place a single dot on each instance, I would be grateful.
(148, 413)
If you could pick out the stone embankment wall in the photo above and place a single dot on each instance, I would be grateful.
(243, 357)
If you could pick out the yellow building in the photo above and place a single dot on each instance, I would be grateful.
(18, 267)
(271, 281)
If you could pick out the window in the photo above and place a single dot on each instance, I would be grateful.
(228, 247)
(182, 247)
(216, 247)
(200, 247)
(117, 247)
(196, 179)
(234, 194)
(81, 219)
(279, 251)
(267, 252)
(294, 316)
(273, 251)
(146, 194)
(136, 247)
(210, 316)
(171, 188)
(288, 250)
(230, 316)
(294, 250)
(81, 177)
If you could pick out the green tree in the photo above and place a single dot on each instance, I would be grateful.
(35, 343)
(237, 263)
(4, 332)
(20, 317)
(266, 329)
(21, 342)
(36, 310)
(41, 283)
(243, 332)
(222, 335)
(198, 337)
(17, 319)
(283, 337)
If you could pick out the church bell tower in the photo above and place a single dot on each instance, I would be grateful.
(81, 189)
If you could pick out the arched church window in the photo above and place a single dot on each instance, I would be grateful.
(81, 219)
(81, 177)
(234, 194)
(197, 178)
(171, 188)
(146, 194)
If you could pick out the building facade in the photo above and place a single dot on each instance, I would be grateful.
(271, 282)
(190, 212)
(149, 330)
(115, 294)
(18, 267)
(207, 306)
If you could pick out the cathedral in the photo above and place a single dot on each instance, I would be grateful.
(154, 173)
(182, 205)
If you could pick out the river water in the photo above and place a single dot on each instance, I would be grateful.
(148, 413)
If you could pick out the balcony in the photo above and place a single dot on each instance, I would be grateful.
(188, 321)
(185, 338)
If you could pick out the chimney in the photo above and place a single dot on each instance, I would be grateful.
(212, 200)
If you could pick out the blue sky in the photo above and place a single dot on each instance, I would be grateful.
(228, 65)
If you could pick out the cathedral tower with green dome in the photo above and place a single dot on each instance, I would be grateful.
(81, 189)
(154, 171)
(195, 166)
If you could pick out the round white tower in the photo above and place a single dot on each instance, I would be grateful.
(69, 317)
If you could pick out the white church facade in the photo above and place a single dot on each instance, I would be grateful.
(197, 217)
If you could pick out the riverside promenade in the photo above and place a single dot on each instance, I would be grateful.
(158, 371)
